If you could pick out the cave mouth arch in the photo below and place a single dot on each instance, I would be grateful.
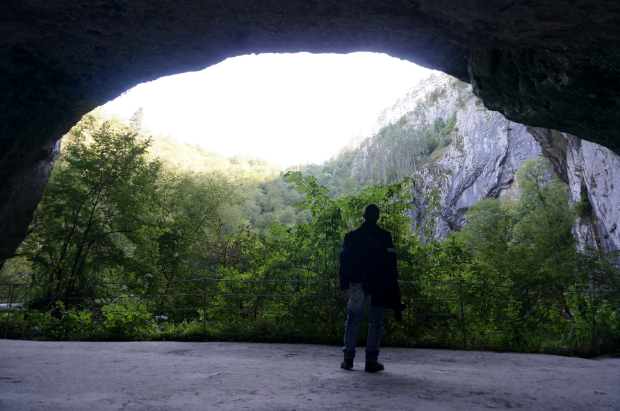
(552, 64)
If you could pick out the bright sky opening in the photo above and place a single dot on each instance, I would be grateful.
(285, 108)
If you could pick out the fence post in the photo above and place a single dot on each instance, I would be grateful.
(204, 312)
(92, 315)
(598, 346)
(329, 296)
(462, 315)
(6, 326)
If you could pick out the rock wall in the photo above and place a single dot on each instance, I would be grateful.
(591, 172)
(486, 153)
(481, 162)
(26, 190)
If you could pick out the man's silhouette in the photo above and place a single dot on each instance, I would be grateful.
(368, 273)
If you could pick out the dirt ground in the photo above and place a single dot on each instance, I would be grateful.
(236, 376)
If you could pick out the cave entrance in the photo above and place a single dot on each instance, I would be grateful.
(59, 60)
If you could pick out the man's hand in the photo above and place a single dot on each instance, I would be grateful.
(345, 292)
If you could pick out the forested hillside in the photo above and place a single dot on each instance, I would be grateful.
(401, 146)
(140, 236)
(260, 195)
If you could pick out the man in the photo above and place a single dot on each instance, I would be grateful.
(368, 273)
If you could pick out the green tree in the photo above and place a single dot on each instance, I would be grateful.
(542, 240)
(183, 209)
(528, 242)
(94, 197)
(488, 234)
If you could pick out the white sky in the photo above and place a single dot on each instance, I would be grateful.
(285, 108)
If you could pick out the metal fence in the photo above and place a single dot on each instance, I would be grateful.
(454, 315)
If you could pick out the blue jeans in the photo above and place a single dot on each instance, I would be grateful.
(357, 303)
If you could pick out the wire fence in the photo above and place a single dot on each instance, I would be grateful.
(456, 315)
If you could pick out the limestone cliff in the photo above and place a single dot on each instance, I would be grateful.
(591, 172)
(485, 153)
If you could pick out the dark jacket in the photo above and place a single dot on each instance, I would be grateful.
(368, 256)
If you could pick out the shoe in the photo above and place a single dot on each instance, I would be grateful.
(373, 366)
(346, 364)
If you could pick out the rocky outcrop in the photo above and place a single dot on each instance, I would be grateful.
(486, 153)
(552, 64)
(505, 80)
(591, 172)
(487, 150)
(26, 190)
(481, 162)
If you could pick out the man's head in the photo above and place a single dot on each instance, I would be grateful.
(371, 213)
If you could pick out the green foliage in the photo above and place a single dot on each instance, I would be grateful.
(97, 192)
(529, 240)
(110, 214)
(187, 208)
(393, 154)
(135, 122)
(57, 322)
(283, 283)
(126, 317)
(583, 208)
(195, 245)
(528, 243)
(319, 242)
(225, 253)
(257, 188)
(16, 270)
(120, 319)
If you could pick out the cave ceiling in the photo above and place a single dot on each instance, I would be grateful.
(552, 64)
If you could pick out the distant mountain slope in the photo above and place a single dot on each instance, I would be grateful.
(262, 195)
(446, 140)
(400, 145)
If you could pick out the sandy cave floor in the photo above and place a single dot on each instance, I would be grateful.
(154, 376)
